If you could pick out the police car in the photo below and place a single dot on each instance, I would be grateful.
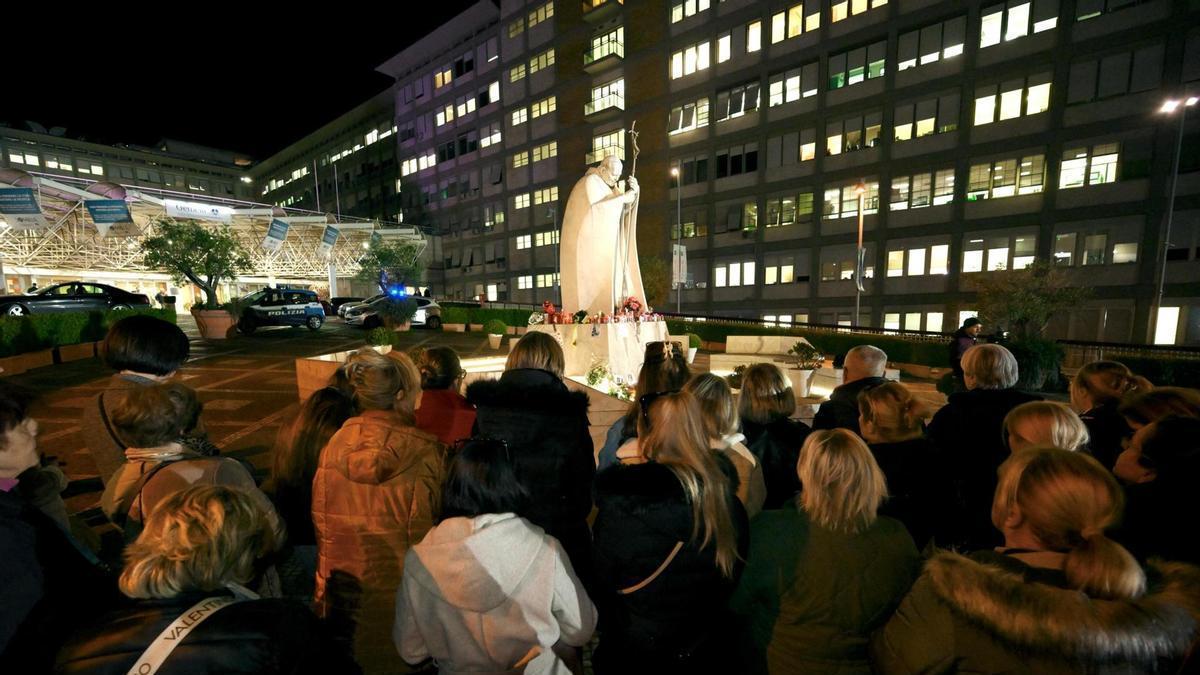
(281, 307)
(428, 313)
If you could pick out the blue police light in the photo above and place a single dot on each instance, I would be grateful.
(396, 292)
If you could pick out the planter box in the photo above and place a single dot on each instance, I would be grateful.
(214, 324)
(923, 372)
(14, 365)
(454, 328)
(521, 330)
(476, 327)
(68, 353)
(801, 381)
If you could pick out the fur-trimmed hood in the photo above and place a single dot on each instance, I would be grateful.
(528, 389)
(1042, 619)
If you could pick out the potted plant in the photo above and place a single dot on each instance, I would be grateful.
(397, 313)
(495, 329)
(204, 256)
(381, 338)
(807, 359)
(693, 345)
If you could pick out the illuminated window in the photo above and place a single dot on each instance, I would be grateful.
(690, 60)
(524, 241)
(994, 253)
(516, 28)
(612, 143)
(932, 43)
(545, 195)
(724, 43)
(541, 61)
(687, 8)
(443, 77)
(516, 73)
(547, 238)
(521, 201)
(520, 159)
(792, 85)
(734, 274)
(921, 190)
(753, 36)
(853, 133)
(857, 65)
(540, 14)
(845, 9)
(525, 283)
(737, 101)
(1089, 166)
(545, 151)
(1012, 99)
(689, 116)
(841, 201)
(519, 116)
(543, 107)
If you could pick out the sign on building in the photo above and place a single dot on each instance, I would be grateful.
(20, 209)
(194, 210)
(108, 212)
(328, 239)
(276, 233)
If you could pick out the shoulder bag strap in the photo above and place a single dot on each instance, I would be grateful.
(661, 568)
(166, 642)
(108, 424)
(126, 502)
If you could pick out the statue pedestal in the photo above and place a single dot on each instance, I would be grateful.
(621, 345)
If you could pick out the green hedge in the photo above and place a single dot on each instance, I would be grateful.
(1164, 372)
(899, 350)
(35, 332)
(454, 315)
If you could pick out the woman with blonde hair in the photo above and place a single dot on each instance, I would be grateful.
(664, 368)
(194, 558)
(375, 494)
(546, 428)
(670, 537)
(892, 422)
(826, 570)
(969, 433)
(1045, 424)
(1058, 597)
(719, 412)
(765, 406)
(1096, 392)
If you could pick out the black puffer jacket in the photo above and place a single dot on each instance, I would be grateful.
(255, 636)
(777, 446)
(969, 434)
(643, 513)
(919, 494)
(46, 585)
(841, 410)
(994, 614)
(546, 427)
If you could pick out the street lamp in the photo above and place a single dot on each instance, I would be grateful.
(678, 238)
(1169, 108)
(859, 266)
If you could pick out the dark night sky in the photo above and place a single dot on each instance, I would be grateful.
(217, 76)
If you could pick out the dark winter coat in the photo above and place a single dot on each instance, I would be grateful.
(810, 597)
(255, 636)
(959, 344)
(841, 410)
(46, 585)
(994, 614)
(643, 513)
(777, 446)
(919, 492)
(1106, 430)
(969, 435)
(1154, 512)
(546, 427)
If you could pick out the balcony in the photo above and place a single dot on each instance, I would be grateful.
(600, 10)
(604, 106)
(602, 56)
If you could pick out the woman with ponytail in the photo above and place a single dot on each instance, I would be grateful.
(375, 494)
(669, 545)
(826, 570)
(1096, 392)
(1059, 597)
(443, 412)
(198, 551)
(892, 421)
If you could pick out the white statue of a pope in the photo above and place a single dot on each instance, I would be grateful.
(599, 241)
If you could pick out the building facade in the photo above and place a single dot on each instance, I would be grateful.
(346, 167)
(984, 136)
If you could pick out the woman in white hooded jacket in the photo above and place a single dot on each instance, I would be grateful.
(486, 591)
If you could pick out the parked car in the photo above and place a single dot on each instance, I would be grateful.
(347, 306)
(72, 296)
(281, 307)
(429, 314)
(340, 300)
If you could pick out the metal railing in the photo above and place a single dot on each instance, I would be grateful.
(608, 48)
(603, 103)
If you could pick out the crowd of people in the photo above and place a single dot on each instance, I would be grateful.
(411, 524)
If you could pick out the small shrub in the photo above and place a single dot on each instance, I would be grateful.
(807, 357)
(495, 327)
(694, 341)
(454, 315)
(396, 312)
(380, 336)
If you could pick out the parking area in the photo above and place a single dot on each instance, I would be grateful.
(247, 384)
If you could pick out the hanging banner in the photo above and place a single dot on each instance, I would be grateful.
(20, 209)
(276, 233)
(860, 269)
(678, 265)
(328, 239)
(178, 209)
(108, 212)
